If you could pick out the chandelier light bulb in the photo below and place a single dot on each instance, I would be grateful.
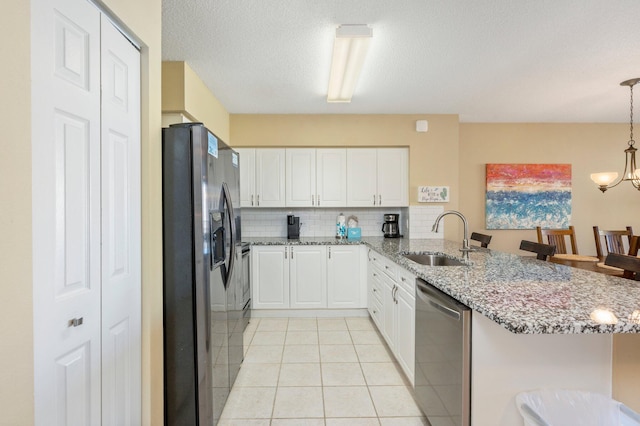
(604, 178)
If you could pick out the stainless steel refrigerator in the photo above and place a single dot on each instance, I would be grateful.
(204, 310)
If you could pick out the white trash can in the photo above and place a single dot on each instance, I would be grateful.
(573, 408)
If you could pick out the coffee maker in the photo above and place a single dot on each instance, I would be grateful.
(391, 225)
(293, 227)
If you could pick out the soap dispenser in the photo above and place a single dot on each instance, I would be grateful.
(341, 226)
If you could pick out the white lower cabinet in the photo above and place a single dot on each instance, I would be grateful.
(308, 277)
(391, 304)
(344, 277)
(270, 277)
(405, 319)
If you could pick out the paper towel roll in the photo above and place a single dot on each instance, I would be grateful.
(341, 226)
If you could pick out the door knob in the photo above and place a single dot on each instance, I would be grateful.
(74, 322)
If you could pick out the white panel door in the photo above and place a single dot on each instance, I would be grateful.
(65, 46)
(393, 177)
(308, 277)
(300, 171)
(247, 176)
(344, 285)
(361, 177)
(270, 177)
(121, 281)
(331, 177)
(270, 277)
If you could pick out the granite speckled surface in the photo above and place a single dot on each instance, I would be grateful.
(522, 294)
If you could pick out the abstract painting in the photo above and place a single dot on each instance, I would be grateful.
(523, 196)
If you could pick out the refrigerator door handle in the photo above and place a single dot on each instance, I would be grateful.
(232, 229)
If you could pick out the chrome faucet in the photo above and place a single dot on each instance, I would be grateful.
(465, 241)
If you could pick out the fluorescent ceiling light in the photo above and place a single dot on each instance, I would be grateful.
(349, 50)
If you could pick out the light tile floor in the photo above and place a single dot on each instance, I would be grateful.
(319, 372)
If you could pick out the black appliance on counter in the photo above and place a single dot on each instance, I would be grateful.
(391, 225)
(204, 298)
(293, 227)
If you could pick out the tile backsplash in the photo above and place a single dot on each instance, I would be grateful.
(321, 222)
(421, 219)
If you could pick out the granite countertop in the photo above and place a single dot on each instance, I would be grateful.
(522, 294)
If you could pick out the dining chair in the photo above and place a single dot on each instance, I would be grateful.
(614, 240)
(556, 237)
(543, 251)
(630, 264)
(482, 238)
(634, 245)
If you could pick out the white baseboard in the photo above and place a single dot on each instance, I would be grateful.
(308, 313)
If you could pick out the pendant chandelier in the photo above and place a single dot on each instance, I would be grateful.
(631, 173)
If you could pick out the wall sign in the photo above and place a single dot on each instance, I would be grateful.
(433, 194)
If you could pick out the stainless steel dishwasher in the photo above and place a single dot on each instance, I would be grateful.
(443, 356)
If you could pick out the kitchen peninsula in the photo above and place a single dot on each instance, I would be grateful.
(535, 324)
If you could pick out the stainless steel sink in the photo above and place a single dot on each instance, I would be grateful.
(433, 259)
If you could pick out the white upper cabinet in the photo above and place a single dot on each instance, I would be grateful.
(377, 177)
(393, 177)
(270, 169)
(247, 176)
(362, 189)
(316, 177)
(300, 177)
(262, 177)
(331, 177)
(324, 177)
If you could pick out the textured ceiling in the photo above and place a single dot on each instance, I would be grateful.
(486, 60)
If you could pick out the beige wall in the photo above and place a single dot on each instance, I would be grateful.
(433, 156)
(587, 147)
(184, 92)
(16, 313)
(626, 369)
(143, 18)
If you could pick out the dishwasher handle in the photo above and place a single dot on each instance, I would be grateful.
(437, 300)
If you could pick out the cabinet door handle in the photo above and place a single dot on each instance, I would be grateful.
(313, 203)
(375, 291)
(291, 253)
(318, 198)
(258, 198)
(379, 200)
(251, 199)
(285, 252)
(329, 252)
(374, 199)
(403, 279)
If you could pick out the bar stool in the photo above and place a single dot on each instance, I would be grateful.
(482, 238)
(543, 251)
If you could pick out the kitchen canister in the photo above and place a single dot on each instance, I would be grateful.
(341, 226)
